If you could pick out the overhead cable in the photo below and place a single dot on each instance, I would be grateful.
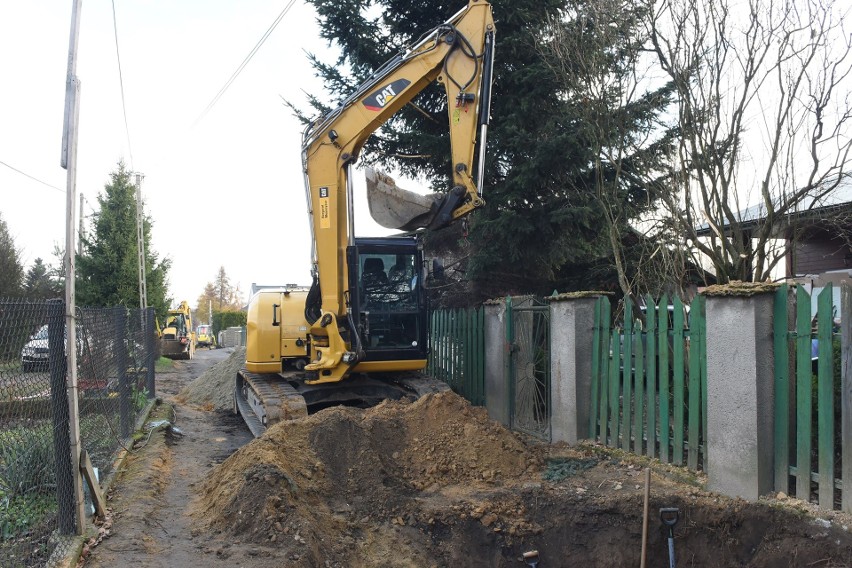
(31, 177)
(121, 85)
(245, 62)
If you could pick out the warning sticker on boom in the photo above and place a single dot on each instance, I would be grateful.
(325, 208)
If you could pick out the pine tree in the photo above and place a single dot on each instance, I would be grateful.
(38, 284)
(205, 302)
(542, 218)
(11, 269)
(108, 272)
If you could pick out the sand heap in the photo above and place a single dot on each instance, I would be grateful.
(216, 385)
(345, 478)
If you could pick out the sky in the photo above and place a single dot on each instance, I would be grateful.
(226, 190)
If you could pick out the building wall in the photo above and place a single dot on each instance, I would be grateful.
(820, 253)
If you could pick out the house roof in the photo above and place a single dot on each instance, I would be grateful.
(809, 208)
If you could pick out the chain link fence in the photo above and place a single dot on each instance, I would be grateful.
(115, 378)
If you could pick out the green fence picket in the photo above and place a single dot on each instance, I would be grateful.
(596, 366)
(781, 356)
(651, 362)
(678, 380)
(825, 398)
(693, 433)
(663, 374)
(605, 365)
(803, 394)
(638, 394)
(627, 375)
(480, 357)
(614, 384)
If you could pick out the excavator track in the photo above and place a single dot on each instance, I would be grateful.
(264, 399)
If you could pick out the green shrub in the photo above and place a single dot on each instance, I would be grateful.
(225, 319)
(27, 464)
(22, 513)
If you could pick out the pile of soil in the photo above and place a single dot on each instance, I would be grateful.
(436, 483)
(214, 389)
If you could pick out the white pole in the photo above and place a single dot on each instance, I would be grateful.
(69, 162)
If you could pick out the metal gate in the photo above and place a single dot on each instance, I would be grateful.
(528, 335)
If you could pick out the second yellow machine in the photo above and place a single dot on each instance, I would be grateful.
(360, 334)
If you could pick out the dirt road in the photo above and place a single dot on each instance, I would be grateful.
(154, 496)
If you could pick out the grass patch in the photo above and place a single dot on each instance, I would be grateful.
(164, 364)
(560, 468)
(27, 479)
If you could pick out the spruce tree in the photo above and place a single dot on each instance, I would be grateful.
(107, 271)
(38, 284)
(542, 219)
(11, 269)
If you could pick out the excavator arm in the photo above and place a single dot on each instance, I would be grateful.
(459, 55)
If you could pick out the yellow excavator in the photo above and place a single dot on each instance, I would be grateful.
(177, 336)
(360, 334)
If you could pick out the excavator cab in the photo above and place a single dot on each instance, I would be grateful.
(390, 303)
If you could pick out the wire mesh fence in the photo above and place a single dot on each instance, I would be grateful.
(115, 363)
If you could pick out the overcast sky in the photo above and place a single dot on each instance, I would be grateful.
(225, 192)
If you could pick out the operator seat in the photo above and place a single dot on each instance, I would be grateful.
(373, 279)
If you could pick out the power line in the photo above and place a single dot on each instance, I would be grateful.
(121, 84)
(245, 62)
(31, 177)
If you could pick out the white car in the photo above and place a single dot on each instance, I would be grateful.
(34, 354)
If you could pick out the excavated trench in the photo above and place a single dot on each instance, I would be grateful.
(436, 483)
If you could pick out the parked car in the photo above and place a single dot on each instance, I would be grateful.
(34, 355)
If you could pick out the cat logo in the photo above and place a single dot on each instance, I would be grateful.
(380, 99)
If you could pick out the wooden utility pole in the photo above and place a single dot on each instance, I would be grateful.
(69, 162)
(140, 244)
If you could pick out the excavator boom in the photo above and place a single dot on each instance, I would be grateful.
(459, 55)
(362, 335)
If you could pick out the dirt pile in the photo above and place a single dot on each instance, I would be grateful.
(352, 483)
(216, 385)
(435, 483)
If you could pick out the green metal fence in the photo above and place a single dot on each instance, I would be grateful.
(808, 443)
(649, 381)
(457, 351)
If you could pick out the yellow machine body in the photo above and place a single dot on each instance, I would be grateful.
(362, 328)
(177, 336)
(277, 332)
(204, 336)
(334, 141)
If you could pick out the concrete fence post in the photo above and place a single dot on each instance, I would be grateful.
(496, 379)
(572, 321)
(740, 390)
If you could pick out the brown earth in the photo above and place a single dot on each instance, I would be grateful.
(425, 483)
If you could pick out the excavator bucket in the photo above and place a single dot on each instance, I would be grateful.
(397, 208)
